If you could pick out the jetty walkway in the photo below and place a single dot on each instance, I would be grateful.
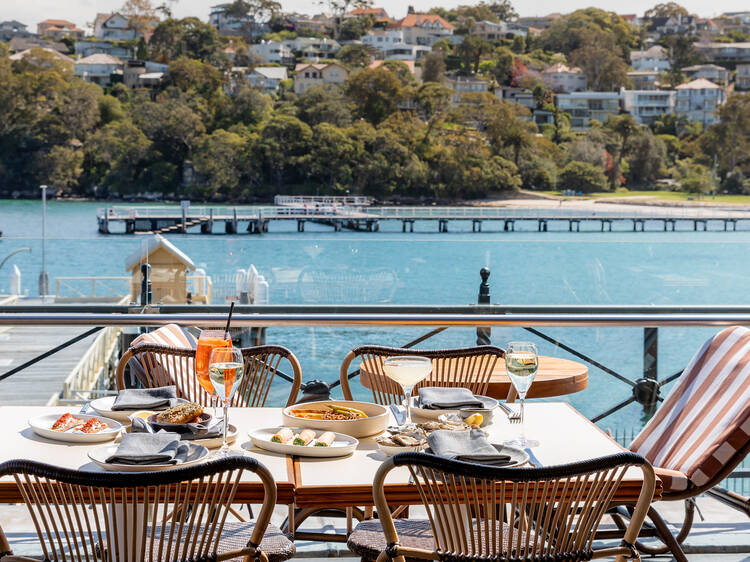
(255, 220)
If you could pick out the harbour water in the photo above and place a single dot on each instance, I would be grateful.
(426, 267)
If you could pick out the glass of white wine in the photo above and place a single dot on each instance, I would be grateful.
(408, 371)
(521, 362)
(225, 369)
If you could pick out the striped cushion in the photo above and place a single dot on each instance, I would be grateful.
(705, 418)
(171, 335)
(671, 480)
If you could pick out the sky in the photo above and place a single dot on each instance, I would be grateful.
(82, 12)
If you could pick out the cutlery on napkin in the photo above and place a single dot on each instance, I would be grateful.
(467, 446)
(447, 398)
(148, 448)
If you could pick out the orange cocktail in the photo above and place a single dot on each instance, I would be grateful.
(207, 342)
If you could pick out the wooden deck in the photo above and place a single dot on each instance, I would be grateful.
(37, 383)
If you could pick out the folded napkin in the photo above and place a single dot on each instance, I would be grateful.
(146, 398)
(467, 446)
(204, 430)
(447, 398)
(147, 448)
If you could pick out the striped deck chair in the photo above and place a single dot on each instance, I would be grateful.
(702, 430)
(171, 335)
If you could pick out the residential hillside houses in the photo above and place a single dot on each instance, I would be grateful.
(654, 59)
(423, 29)
(18, 44)
(379, 39)
(715, 73)
(742, 78)
(272, 51)
(697, 101)
(644, 79)
(379, 14)
(313, 47)
(227, 23)
(308, 75)
(491, 31)
(134, 71)
(86, 48)
(719, 53)
(59, 29)
(562, 78)
(647, 105)
(116, 27)
(585, 107)
(10, 29)
(98, 68)
(51, 52)
(672, 25)
(267, 78)
(538, 22)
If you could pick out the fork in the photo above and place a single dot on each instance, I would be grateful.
(513, 416)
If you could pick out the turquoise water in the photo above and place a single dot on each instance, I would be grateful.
(549, 268)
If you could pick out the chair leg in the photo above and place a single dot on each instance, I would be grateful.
(687, 524)
(4, 544)
(666, 535)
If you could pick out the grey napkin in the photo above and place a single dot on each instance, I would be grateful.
(207, 430)
(467, 446)
(146, 398)
(147, 448)
(447, 398)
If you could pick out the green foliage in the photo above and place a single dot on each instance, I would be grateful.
(188, 37)
(666, 10)
(322, 104)
(433, 67)
(582, 176)
(355, 55)
(376, 92)
(354, 28)
(220, 161)
(693, 177)
(574, 30)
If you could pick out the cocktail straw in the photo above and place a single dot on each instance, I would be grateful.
(229, 318)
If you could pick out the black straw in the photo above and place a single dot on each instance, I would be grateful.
(229, 318)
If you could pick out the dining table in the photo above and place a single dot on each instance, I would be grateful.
(564, 436)
(555, 376)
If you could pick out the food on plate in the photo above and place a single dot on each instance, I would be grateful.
(332, 412)
(396, 438)
(284, 435)
(304, 437)
(182, 413)
(474, 420)
(325, 440)
(66, 422)
(449, 425)
(92, 426)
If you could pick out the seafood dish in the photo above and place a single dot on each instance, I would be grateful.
(331, 412)
(304, 438)
(186, 412)
(68, 422)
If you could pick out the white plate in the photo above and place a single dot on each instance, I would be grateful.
(42, 424)
(196, 454)
(375, 423)
(490, 404)
(517, 456)
(215, 442)
(103, 406)
(342, 445)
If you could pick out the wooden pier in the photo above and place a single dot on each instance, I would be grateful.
(255, 220)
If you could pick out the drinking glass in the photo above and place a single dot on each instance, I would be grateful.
(521, 361)
(207, 342)
(225, 369)
(407, 370)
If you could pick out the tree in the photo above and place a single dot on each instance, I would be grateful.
(589, 150)
(354, 28)
(581, 176)
(433, 67)
(295, 137)
(220, 162)
(401, 70)
(693, 178)
(248, 107)
(356, 55)
(331, 157)
(141, 15)
(339, 8)
(188, 37)
(503, 10)
(665, 10)
(601, 60)
(375, 91)
(574, 30)
(519, 45)
(324, 104)
(646, 157)
(255, 10)
(434, 99)
(471, 50)
(624, 127)
(503, 63)
(61, 167)
(190, 74)
(118, 151)
(172, 125)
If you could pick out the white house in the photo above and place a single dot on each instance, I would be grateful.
(272, 51)
(491, 31)
(585, 107)
(423, 29)
(715, 73)
(308, 75)
(405, 52)
(379, 39)
(229, 24)
(97, 68)
(313, 47)
(134, 70)
(654, 59)
(644, 79)
(698, 101)
(646, 105)
(729, 52)
(267, 78)
(88, 48)
(562, 78)
(742, 79)
(114, 27)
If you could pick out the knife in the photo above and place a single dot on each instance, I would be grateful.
(532, 458)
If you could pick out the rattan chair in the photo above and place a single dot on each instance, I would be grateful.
(161, 365)
(176, 515)
(480, 512)
(469, 367)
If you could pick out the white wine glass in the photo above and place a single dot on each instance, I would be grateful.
(225, 369)
(408, 371)
(521, 362)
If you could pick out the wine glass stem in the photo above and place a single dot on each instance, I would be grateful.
(225, 424)
(523, 426)
(407, 418)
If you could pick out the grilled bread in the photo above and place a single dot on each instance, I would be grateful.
(182, 413)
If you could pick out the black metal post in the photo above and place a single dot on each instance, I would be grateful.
(483, 333)
(646, 391)
(145, 284)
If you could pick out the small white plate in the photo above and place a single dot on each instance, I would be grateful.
(215, 442)
(342, 444)
(517, 456)
(42, 424)
(196, 454)
(489, 403)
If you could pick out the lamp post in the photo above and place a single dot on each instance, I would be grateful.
(43, 277)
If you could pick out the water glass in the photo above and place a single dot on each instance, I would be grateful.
(225, 369)
(521, 362)
(408, 371)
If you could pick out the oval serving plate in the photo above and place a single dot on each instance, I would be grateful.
(375, 423)
(489, 404)
(196, 454)
(342, 445)
(42, 424)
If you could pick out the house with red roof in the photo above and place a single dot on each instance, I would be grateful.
(58, 29)
(423, 29)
